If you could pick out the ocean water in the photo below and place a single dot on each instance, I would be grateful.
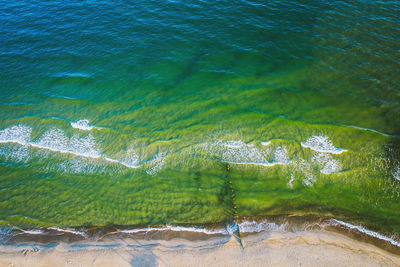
(199, 112)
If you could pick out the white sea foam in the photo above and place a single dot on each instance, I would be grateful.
(243, 227)
(265, 143)
(83, 125)
(15, 154)
(240, 153)
(55, 140)
(232, 143)
(129, 159)
(396, 173)
(280, 155)
(322, 144)
(71, 231)
(158, 162)
(366, 231)
(177, 229)
(16, 134)
(233, 151)
(86, 166)
(301, 169)
(263, 164)
(309, 180)
(33, 232)
(256, 227)
(326, 163)
(291, 181)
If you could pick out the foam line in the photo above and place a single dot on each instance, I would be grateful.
(83, 125)
(93, 156)
(55, 140)
(232, 144)
(177, 229)
(367, 232)
(16, 134)
(371, 130)
(264, 164)
(256, 227)
(33, 232)
(132, 166)
(71, 231)
(322, 144)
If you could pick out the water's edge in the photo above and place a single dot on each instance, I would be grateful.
(10, 236)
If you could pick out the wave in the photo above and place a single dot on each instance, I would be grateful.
(370, 130)
(256, 227)
(241, 153)
(322, 144)
(245, 226)
(265, 143)
(263, 164)
(158, 162)
(56, 141)
(70, 231)
(325, 163)
(366, 231)
(83, 125)
(72, 75)
(177, 229)
(16, 134)
(33, 232)
(232, 143)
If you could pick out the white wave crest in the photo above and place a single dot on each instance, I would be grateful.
(231, 143)
(83, 125)
(55, 140)
(280, 155)
(33, 232)
(256, 227)
(16, 134)
(71, 231)
(322, 144)
(366, 231)
(177, 229)
(129, 159)
(265, 143)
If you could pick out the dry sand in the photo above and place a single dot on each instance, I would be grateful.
(306, 248)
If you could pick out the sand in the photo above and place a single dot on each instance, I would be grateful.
(305, 248)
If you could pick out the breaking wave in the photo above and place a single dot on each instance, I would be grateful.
(322, 144)
(83, 125)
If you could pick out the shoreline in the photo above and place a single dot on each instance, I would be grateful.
(11, 237)
(266, 248)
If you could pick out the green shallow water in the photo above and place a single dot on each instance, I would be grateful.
(195, 113)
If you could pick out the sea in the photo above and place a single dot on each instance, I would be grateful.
(199, 113)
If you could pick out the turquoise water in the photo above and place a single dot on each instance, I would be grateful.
(199, 112)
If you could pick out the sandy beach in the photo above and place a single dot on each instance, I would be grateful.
(272, 248)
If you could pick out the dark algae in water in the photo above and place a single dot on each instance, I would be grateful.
(199, 113)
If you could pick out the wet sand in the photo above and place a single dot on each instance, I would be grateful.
(272, 248)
